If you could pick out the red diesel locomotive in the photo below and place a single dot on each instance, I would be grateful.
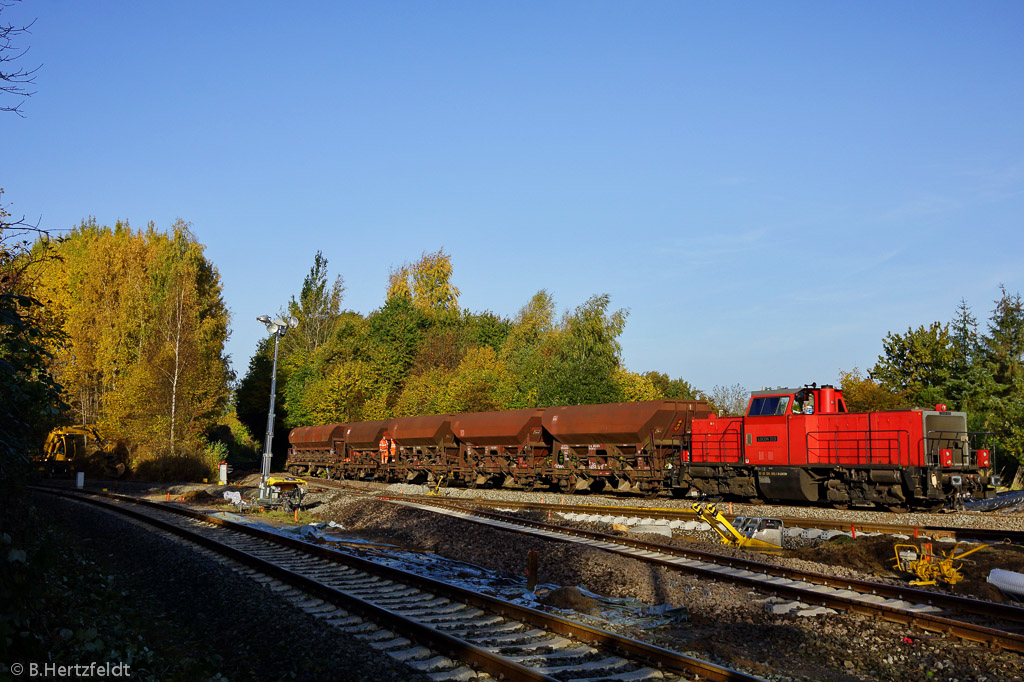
(791, 445)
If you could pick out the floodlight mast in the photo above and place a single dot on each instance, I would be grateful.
(278, 328)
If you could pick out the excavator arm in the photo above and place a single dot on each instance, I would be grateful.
(61, 449)
(710, 515)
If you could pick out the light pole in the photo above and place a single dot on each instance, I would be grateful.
(277, 327)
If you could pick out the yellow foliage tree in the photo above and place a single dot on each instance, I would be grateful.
(422, 394)
(427, 283)
(474, 385)
(862, 394)
(636, 387)
(145, 326)
(340, 394)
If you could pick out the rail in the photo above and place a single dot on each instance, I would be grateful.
(1011, 641)
(493, 663)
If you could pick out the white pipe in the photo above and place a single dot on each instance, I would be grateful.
(1008, 581)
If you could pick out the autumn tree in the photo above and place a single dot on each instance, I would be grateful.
(526, 352)
(585, 356)
(183, 350)
(317, 310)
(420, 353)
(863, 394)
(145, 325)
(917, 364)
(675, 389)
(473, 387)
(427, 283)
(634, 387)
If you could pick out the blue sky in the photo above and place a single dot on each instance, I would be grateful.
(769, 188)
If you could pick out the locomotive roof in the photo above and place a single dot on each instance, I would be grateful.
(790, 391)
(775, 391)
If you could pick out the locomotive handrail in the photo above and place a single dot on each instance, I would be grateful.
(869, 448)
(724, 442)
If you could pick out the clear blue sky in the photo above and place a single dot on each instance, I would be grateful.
(769, 188)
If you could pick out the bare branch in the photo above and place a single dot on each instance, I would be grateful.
(13, 80)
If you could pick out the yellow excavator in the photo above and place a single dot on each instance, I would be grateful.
(81, 448)
(710, 515)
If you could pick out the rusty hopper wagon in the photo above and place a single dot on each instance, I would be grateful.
(626, 446)
(502, 448)
(792, 444)
(315, 446)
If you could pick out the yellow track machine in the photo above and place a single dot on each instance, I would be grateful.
(930, 568)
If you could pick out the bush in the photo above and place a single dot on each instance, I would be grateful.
(181, 466)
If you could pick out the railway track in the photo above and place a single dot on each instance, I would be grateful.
(997, 625)
(439, 629)
(932, 531)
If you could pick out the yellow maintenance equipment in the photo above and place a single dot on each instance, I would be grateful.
(929, 567)
(80, 447)
(287, 491)
(437, 488)
(710, 515)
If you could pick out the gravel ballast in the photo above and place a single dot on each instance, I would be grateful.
(728, 624)
(201, 617)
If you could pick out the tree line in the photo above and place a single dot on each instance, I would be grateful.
(125, 328)
(421, 353)
(955, 363)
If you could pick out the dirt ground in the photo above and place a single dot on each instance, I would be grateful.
(875, 556)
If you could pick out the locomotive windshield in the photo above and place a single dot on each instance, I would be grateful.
(768, 406)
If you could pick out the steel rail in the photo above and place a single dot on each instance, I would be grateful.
(985, 534)
(485, 660)
(992, 636)
(977, 534)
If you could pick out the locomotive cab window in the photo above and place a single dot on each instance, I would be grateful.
(768, 406)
